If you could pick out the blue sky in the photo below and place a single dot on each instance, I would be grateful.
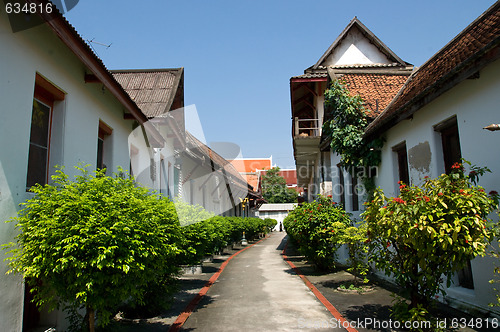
(239, 55)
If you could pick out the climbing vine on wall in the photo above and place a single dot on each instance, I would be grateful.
(346, 128)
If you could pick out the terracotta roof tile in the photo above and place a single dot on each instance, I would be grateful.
(442, 71)
(376, 90)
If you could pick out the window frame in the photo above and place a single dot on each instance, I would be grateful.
(47, 94)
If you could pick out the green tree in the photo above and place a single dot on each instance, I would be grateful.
(428, 232)
(95, 242)
(274, 189)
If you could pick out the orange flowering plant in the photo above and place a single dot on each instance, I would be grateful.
(429, 232)
(316, 229)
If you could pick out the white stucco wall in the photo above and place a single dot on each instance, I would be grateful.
(355, 49)
(475, 104)
(75, 132)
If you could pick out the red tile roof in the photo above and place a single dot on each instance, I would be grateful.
(251, 165)
(376, 90)
(471, 50)
(290, 175)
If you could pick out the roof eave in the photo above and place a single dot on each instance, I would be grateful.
(458, 74)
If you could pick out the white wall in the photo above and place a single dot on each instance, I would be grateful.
(24, 54)
(355, 49)
(475, 104)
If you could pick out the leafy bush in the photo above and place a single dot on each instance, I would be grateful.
(95, 242)
(427, 232)
(189, 214)
(209, 236)
(317, 229)
(355, 238)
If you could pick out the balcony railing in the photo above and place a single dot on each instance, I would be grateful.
(307, 127)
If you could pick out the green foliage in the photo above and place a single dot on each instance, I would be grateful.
(274, 189)
(356, 240)
(346, 128)
(428, 232)
(190, 214)
(95, 242)
(317, 228)
(210, 236)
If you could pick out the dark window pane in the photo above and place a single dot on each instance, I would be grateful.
(403, 165)
(100, 151)
(40, 124)
(39, 144)
(354, 190)
(37, 165)
(341, 185)
(451, 146)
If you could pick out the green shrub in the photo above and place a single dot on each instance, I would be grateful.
(317, 228)
(95, 242)
(428, 232)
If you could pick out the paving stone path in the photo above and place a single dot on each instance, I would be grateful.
(258, 291)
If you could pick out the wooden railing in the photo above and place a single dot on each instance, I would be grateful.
(307, 127)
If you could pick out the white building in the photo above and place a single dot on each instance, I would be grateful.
(429, 120)
(438, 118)
(52, 115)
(61, 106)
(276, 211)
(370, 69)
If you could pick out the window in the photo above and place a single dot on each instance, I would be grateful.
(450, 140)
(45, 96)
(341, 185)
(354, 192)
(102, 148)
(451, 144)
(402, 160)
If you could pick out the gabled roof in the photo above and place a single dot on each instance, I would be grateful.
(470, 51)
(153, 90)
(356, 23)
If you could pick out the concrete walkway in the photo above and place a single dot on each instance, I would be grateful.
(258, 291)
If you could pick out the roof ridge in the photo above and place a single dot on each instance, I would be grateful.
(146, 70)
(369, 35)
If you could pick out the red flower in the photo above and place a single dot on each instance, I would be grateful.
(461, 191)
(440, 194)
(426, 177)
(481, 190)
(493, 193)
(466, 241)
(456, 165)
(398, 200)
(329, 196)
(388, 245)
(427, 198)
(333, 203)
